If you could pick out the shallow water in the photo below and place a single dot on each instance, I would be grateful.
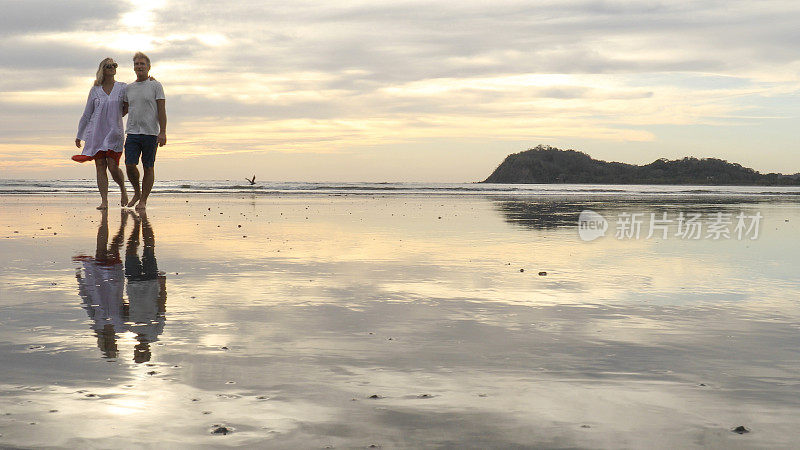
(279, 317)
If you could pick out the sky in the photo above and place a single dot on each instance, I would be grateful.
(408, 90)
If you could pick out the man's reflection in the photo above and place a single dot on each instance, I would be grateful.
(101, 286)
(147, 290)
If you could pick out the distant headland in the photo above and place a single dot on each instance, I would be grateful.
(545, 164)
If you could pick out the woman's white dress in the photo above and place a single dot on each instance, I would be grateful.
(100, 126)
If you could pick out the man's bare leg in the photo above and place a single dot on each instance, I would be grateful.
(147, 185)
(119, 178)
(102, 181)
(133, 176)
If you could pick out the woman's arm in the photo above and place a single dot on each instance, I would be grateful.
(84, 122)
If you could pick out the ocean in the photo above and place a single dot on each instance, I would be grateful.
(88, 185)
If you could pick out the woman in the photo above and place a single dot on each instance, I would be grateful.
(100, 128)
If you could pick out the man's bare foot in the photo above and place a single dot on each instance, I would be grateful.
(124, 199)
(103, 206)
(141, 206)
(133, 200)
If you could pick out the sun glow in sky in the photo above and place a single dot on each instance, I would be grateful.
(409, 90)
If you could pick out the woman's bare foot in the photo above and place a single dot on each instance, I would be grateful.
(133, 200)
(124, 200)
(141, 206)
(103, 206)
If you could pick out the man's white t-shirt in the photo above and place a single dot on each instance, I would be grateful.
(142, 110)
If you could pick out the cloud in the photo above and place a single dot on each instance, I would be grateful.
(36, 16)
(414, 40)
(270, 76)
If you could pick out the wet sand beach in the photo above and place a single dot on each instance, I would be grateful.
(396, 321)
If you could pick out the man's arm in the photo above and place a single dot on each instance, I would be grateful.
(162, 122)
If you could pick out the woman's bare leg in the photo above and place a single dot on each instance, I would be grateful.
(102, 181)
(119, 178)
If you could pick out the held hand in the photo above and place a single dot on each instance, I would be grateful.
(77, 143)
(162, 139)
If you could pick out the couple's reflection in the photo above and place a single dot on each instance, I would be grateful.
(101, 285)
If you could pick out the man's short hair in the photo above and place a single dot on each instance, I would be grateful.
(140, 55)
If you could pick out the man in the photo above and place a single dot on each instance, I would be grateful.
(146, 130)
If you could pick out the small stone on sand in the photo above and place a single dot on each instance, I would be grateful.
(740, 429)
(542, 274)
(219, 429)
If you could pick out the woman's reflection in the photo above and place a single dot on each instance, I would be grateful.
(101, 286)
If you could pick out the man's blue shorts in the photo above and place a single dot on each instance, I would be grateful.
(141, 144)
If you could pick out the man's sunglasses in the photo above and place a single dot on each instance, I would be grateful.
(111, 66)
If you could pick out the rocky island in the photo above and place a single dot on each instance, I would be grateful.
(545, 164)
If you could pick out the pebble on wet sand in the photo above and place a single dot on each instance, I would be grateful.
(740, 429)
(375, 396)
(220, 429)
(542, 274)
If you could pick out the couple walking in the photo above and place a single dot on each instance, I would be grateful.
(100, 128)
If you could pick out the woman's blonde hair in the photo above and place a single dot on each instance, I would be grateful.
(98, 80)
